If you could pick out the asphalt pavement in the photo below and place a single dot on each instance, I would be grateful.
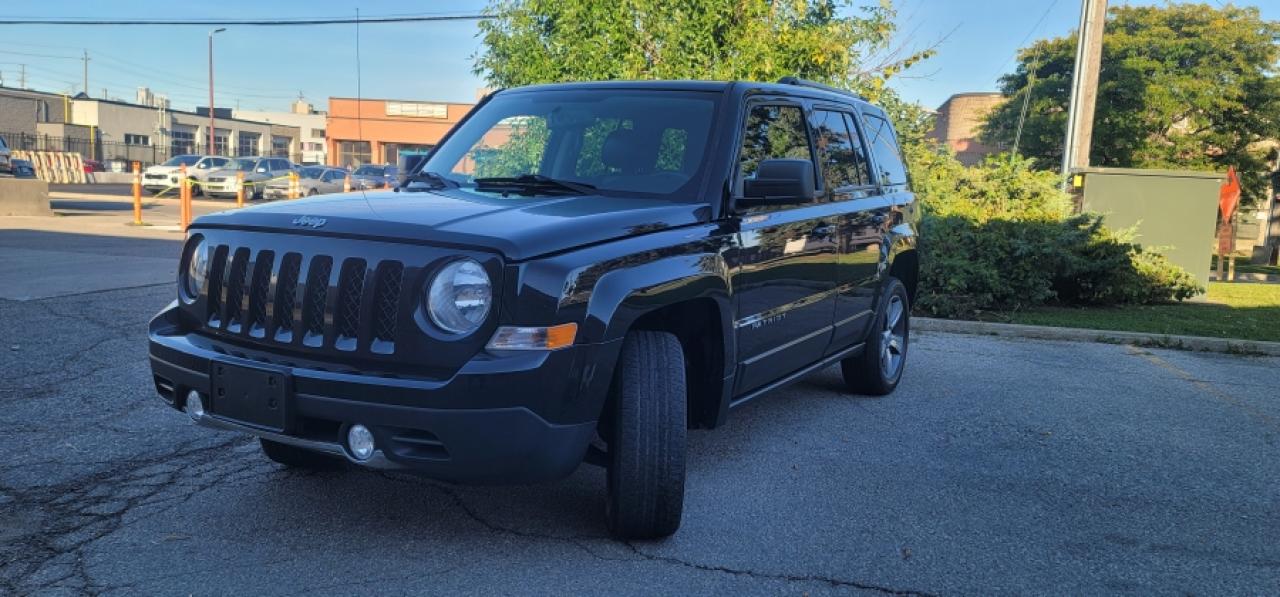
(1000, 466)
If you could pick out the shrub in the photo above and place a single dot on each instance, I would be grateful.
(1001, 237)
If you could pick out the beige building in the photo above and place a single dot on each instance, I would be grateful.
(104, 129)
(959, 123)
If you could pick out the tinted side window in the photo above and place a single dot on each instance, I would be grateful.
(884, 145)
(839, 151)
(772, 132)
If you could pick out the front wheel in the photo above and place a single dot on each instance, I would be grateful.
(647, 438)
(878, 369)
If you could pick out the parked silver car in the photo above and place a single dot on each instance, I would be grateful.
(258, 172)
(312, 180)
(372, 176)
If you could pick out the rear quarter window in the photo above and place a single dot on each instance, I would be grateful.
(884, 146)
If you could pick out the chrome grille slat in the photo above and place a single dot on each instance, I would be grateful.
(233, 297)
(259, 291)
(213, 294)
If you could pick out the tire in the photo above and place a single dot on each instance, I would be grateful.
(312, 193)
(256, 191)
(294, 457)
(648, 438)
(196, 191)
(877, 371)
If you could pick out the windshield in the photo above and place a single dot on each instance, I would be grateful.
(370, 170)
(310, 172)
(182, 160)
(623, 142)
(244, 165)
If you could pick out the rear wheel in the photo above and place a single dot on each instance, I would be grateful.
(647, 438)
(295, 457)
(313, 192)
(879, 368)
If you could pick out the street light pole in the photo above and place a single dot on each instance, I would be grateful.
(211, 121)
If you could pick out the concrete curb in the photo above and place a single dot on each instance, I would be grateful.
(1038, 332)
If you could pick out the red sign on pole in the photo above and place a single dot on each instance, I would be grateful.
(1228, 198)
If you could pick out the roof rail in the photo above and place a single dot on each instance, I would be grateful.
(798, 82)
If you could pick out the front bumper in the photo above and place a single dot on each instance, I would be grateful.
(417, 423)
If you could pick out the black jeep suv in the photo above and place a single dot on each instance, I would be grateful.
(578, 272)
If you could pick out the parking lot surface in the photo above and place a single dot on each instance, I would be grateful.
(999, 467)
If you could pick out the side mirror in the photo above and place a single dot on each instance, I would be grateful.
(779, 182)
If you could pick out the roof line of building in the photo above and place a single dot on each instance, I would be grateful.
(392, 99)
(133, 105)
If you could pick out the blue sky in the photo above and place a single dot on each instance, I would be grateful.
(265, 68)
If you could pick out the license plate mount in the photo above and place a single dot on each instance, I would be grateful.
(256, 396)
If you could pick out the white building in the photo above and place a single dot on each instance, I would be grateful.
(309, 122)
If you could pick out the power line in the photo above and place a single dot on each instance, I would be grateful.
(244, 22)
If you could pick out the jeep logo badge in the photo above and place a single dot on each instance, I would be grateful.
(309, 221)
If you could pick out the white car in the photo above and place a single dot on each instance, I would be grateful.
(6, 158)
(158, 179)
(258, 171)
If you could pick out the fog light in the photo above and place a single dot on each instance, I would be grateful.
(195, 405)
(360, 442)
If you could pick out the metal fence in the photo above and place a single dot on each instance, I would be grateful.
(108, 151)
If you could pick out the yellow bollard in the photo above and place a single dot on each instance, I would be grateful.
(293, 185)
(239, 189)
(184, 199)
(137, 193)
(346, 184)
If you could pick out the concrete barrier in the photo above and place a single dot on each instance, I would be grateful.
(24, 197)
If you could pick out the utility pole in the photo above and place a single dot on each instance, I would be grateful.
(211, 147)
(86, 72)
(1084, 86)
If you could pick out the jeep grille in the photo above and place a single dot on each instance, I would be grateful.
(288, 298)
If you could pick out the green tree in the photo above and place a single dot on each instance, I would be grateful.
(1187, 86)
(547, 41)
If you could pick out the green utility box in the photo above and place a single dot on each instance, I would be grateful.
(1174, 212)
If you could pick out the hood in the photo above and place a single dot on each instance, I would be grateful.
(162, 169)
(517, 227)
(231, 173)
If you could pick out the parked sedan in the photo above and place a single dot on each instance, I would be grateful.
(371, 176)
(312, 180)
(258, 172)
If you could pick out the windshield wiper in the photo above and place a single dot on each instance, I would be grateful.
(532, 183)
(435, 179)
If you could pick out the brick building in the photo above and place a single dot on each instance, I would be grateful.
(959, 122)
(377, 131)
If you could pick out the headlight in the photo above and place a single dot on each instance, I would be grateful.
(459, 297)
(197, 271)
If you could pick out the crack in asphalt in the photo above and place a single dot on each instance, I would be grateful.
(74, 514)
(578, 541)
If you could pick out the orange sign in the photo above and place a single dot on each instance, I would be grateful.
(1228, 198)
